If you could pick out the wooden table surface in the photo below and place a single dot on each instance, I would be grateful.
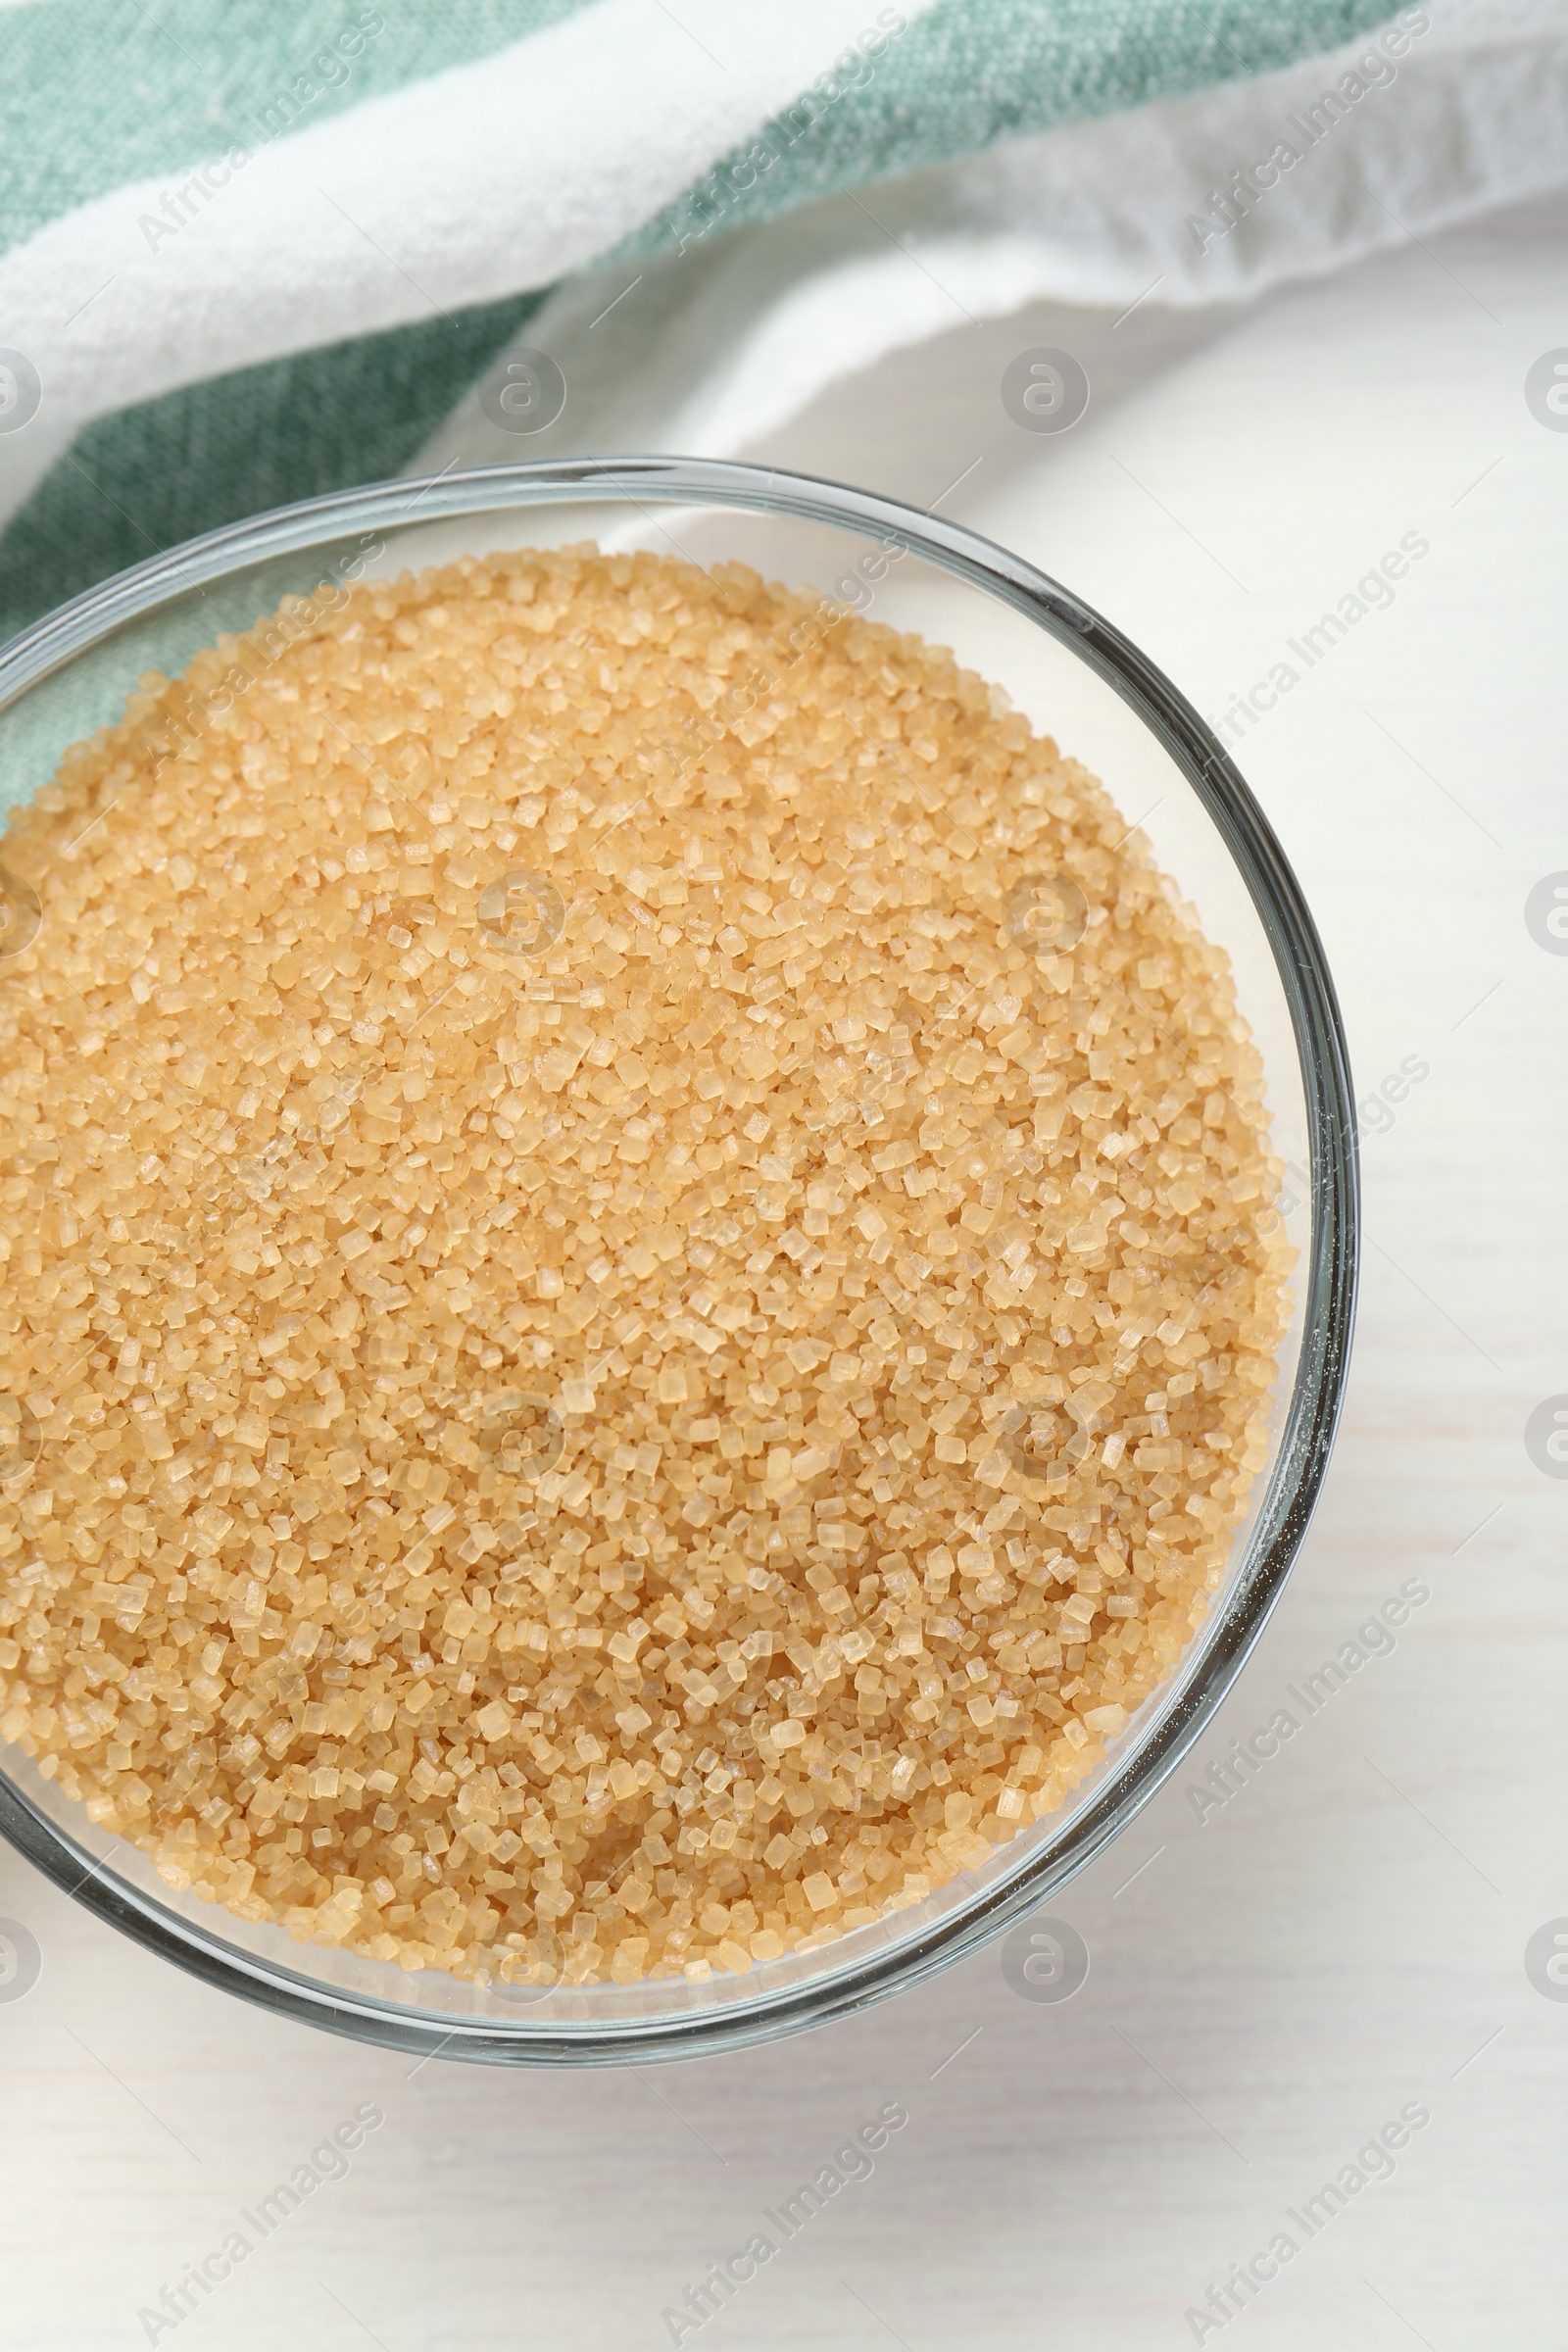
(1342, 1941)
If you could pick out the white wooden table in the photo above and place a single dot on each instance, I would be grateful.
(1273, 1985)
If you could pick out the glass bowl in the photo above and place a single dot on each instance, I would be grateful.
(1074, 675)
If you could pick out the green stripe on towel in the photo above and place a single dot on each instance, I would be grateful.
(94, 96)
(957, 80)
(973, 72)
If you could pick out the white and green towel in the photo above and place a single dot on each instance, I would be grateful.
(249, 253)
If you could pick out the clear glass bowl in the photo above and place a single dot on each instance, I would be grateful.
(1077, 677)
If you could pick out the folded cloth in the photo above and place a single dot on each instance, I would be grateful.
(1191, 203)
(245, 257)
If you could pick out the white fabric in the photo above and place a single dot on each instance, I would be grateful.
(515, 170)
(718, 346)
(476, 184)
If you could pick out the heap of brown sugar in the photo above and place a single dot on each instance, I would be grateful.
(640, 1285)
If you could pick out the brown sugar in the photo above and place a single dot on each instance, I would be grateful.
(640, 1281)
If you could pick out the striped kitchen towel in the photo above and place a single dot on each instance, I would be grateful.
(248, 255)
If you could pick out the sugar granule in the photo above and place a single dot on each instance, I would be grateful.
(642, 1276)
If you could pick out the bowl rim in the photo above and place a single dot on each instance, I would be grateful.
(1327, 1274)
